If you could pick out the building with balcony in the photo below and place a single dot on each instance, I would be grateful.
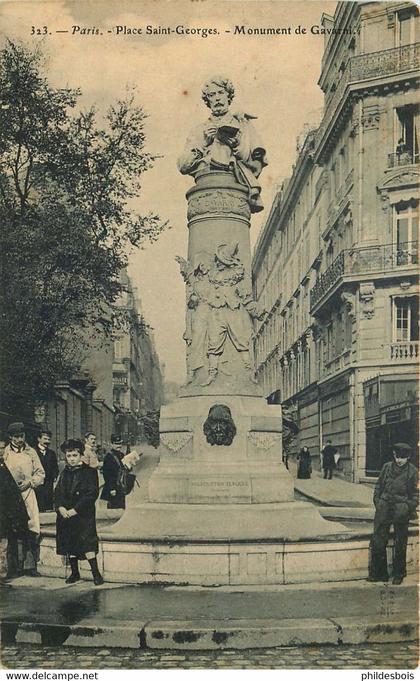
(136, 375)
(336, 264)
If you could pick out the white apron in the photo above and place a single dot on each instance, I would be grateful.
(31, 504)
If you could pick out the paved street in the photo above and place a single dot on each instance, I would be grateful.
(379, 656)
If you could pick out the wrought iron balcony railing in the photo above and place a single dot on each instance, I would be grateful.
(407, 158)
(372, 65)
(371, 259)
(328, 279)
(385, 62)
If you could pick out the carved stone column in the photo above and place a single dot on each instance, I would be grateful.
(219, 217)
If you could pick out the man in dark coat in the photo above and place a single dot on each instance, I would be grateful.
(328, 460)
(111, 467)
(13, 514)
(395, 499)
(48, 458)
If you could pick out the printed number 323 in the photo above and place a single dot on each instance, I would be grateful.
(39, 31)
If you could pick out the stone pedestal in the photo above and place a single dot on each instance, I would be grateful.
(240, 491)
(247, 471)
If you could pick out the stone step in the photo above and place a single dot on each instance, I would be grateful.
(214, 634)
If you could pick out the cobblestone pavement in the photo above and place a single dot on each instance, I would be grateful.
(376, 656)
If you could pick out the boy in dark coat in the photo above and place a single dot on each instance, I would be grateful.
(13, 515)
(110, 470)
(75, 496)
(395, 499)
(48, 458)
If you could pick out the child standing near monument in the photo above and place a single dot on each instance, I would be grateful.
(75, 496)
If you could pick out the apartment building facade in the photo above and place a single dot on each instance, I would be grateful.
(336, 264)
(136, 374)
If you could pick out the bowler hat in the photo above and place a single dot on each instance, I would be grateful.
(402, 450)
(116, 439)
(16, 428)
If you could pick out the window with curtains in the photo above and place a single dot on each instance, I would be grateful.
(405, 315)
(406, 227)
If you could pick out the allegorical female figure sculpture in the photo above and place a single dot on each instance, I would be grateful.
(226, 141)
(219, 306)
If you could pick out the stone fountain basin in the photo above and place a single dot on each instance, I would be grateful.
(337, 557)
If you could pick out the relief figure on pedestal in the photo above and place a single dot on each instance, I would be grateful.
(226, 141)
(198, 310)
(219, 427)
(232, 310)
(220, 305)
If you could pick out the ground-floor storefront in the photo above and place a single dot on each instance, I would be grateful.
(362, 415)
(391, 415)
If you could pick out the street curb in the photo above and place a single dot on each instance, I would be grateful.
(214, 634)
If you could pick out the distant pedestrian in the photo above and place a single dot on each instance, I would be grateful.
(112, 466)
(75, 496)
(402, 153)
(304, 464)
(395, 499)
(90, 457)
(13, 515)
(328, 460)
(48, 458)
(25, 467)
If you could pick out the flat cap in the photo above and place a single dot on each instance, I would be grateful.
(402, 449)
(16, 428)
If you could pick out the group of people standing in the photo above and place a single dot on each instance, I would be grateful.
(328, 459)
(31, 482)
(25, 488)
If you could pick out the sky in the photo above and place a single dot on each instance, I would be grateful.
(275, 78)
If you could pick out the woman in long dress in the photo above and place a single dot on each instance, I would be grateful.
(304, 464)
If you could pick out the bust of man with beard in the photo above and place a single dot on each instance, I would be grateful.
(226, 141)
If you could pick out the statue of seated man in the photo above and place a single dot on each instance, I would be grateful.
(226, 141)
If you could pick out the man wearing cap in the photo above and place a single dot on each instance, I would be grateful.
(395, 499)
(28, 473)
(110, 469)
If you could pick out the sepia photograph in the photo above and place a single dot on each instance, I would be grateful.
(209, 336)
